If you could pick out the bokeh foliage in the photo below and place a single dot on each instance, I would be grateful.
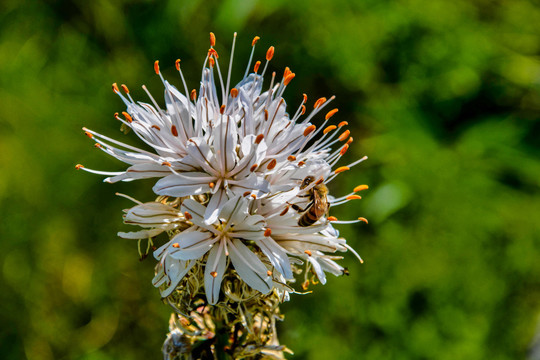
(442, 95)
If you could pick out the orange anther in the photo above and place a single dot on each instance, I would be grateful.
(270, 53)
(341, 169)
(253, 167)
(284, 211)
(329, 128)
(349, 141)
(212, 39)
(188, 215)
(213, 273)
(174, 131)
(265, 114)
(78, 166)
(344, 136)
(211, 184)
(353, 197)
(176, 245)
(193, 95)
(255, 39)
(116, 116)
(177, 64)
(291, 158)
(222, 109)
(330, 114)
(256, 66)
(267, 232)
(360, 188)
(288, 79)
(304, 96)
(156, 127)
(213, 52)
(320, 181)
(269, 273)
(156, 66)
(363, 219)
(303, 110)
(88, 134)
(212, 62)
(286, 72)
(127, 116)
(308, 252)
(309, 130)
(254, 196)
(166, 163)
(98, 145)
(301, 163)
(115, 88)
(305, 285)
(125, 88)
(319, 102)
(246, 193)
(343, 123)
(332, 218)
(344, 149)
(272, 164)
(259, 138)
(234, 92)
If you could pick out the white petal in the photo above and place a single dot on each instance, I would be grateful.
(192, 245)
(180, 270)
(185, 184)
(141, 171)
(249, 267)
(225, 140)
(214, 206)
(141, 234)
(277, 256)
(318, 269)
(215, 265)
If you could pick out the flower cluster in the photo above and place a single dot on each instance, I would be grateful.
(241, 182)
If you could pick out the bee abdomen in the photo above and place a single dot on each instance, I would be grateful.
(307, 219)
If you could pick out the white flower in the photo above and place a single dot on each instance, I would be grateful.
(249, 157)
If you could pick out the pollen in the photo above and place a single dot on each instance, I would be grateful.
(174, 131)
(269, 273)
(363, 219)
(330, 114)
(256, 66)
(156, 67)
(193, 95)
(329, 128)
(166, 163)
(78, 166)
(125, 88)
(270, 53)
(319, 102)
(212, 39)
(308, 252)
(291, 158)
(353, 197)
(176, 245)
(127, 116)
(254, 41)
(188, 216)
(211, 184)
(267, 232)
(259, 138)
(309, 130)
(115, 88)
(360, 188)
(177, 64)
(332, 218)
(341, 169)
(272, 164)
(344, 136)
(213, 273)
(343, 123)
(234, 92)
(344, 149)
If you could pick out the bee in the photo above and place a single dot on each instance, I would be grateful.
(318, 205)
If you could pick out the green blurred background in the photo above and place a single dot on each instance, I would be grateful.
(443, 96)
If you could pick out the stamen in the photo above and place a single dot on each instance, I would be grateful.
(212, 62)
(212, 39)
(349, 141)
(234, 92)
(303, 110)
(254, 196)
(360, 188)
(156, 127)
(269, 53)
(308, 252)
(332, 218)
(344, 136)
(127, 116)
(341, 169)
(115, 88)
(188, 215)
(88, 134)
(166, 163)
(269, 273)
(246, 193)
(156, 67)
(288, 79)
(284, 211)
(267, 232)
(98, 145)
(320, 181)
(256, 66)
(329, 128)
(78, 166)
(272, 164)
(222, 109)
(291, 158)
(253, 167)
(363, 219)
(193, 95)
(174, 131)
(177, 64)
(319, 102)
(330, 114)
(176, 245)
(255, 39)
(213, 273)
(353, 197)
(304, 96)
(259, 138)
(301, 163)
(211, 184)
(343, 123)
(309, 130)
(125, 88)
(344, 149)
(265, 114)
